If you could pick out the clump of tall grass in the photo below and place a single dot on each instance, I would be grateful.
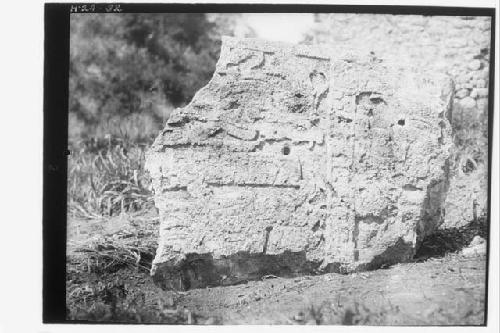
(106, 177)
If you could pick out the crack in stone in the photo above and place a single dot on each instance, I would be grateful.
(254, 185)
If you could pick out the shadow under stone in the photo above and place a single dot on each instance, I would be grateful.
(202, 270)
(451, 240)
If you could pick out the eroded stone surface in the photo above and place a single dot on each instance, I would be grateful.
(456, 45)
(299, 159)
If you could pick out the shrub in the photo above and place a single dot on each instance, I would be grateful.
(129, 64)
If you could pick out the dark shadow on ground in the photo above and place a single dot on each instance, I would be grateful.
(451, 240)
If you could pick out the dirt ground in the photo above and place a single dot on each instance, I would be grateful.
(441, 290)
(436, 292)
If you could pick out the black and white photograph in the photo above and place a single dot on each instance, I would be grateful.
(271, 165)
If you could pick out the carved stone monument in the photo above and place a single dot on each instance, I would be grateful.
(457, 45)
(299, 159)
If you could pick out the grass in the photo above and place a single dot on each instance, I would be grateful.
(106, 177)
(116, 302)
(106, 180)
(103, 254)
(470, 134)
(107, 274)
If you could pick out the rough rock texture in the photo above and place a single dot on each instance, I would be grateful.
(476, 247)
(299, 159)
(456, 45)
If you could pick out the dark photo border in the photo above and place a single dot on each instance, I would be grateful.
(55, 116)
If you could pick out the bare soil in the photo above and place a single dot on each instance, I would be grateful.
(448, 289)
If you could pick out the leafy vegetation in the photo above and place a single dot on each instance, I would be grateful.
(107, 177)
(127, 73)
(135, 67)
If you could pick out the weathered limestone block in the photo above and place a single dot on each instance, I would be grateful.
(456, 45)
(299, 159)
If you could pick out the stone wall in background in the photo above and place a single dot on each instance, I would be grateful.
(457, 46)
(300, 159)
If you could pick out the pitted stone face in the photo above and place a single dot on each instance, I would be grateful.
(298, 159)
(458, 45)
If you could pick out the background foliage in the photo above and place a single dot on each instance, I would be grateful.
(127, 71)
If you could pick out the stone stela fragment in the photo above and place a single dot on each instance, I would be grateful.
(299, 159)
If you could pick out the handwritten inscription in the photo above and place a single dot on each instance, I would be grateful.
(96, 8)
